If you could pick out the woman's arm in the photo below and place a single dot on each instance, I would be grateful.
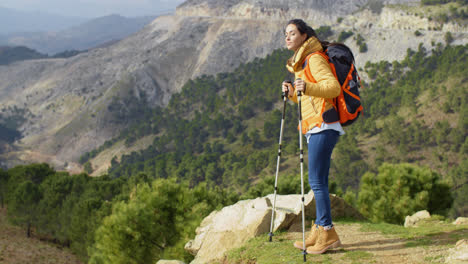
(327, 85)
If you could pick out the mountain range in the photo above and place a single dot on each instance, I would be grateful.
(12, 20)
(66, 107)
(93, 33)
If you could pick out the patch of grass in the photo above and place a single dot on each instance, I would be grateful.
(346, 221)
(433, 232)
(383, 228)
(260, 250)
(279, 251)
(425, 228)
(419, 242)
(435, 259)
(429, 232)
(326, 260)
(358, 256)
(458, 236)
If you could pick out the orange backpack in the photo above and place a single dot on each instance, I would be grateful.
(347, 105)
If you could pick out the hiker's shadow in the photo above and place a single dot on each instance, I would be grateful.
(377, 245)
(440, 238)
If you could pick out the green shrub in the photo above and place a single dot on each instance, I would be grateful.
(436, 2)
(344, 35)
(448, 38)
(363, 48)
(360, 41)
(155, 222)
(324, 32)
(400, 190)
(88, 167)
(350, 197)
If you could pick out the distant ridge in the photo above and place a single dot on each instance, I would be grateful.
(12, 20)
(83, 36)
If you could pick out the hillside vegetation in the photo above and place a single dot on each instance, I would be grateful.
(216, 143)
(20, 53)
(223, 129)
(12, 54)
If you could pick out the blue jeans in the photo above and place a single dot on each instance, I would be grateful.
(320, 149)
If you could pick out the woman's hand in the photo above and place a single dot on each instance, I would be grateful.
(287, 88)
(300, 85)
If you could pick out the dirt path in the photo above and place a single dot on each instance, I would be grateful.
(16, 248)
(375, 247)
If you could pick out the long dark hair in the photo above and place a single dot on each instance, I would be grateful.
(304, 28)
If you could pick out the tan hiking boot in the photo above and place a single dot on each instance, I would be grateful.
(327, 239)
(310, 240)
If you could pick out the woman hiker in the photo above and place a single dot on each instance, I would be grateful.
(317, 95)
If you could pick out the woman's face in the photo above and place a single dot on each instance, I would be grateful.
(293, 37)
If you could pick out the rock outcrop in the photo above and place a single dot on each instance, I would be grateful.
(234, 225)
(458, 254)
(416, 217)
(163, 261)
(461, 221)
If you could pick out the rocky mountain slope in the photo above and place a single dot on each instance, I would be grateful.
(76, 104)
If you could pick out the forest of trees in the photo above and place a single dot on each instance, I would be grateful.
(216, 143)
(11, 54)
(438, 2)
(77, 211)
(19, 53)
(220, 131)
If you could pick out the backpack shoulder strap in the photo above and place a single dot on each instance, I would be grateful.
(307, 69)
(311, 77)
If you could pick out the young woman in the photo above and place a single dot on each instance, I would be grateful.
(318, 88)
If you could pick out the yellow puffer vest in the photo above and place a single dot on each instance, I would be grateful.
(320, 91)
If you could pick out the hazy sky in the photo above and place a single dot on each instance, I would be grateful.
(93, 8)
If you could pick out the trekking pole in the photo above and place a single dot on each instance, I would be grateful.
(301, 156)
(285, 98)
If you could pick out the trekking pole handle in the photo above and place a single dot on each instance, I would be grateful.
(299, 93)
(284, 95)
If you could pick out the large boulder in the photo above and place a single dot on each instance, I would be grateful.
(164, 261)
(461, 221)
(458, 254)
(228, 228)
(233, 225)
(416, 218)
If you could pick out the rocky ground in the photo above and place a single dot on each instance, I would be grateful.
(375, 247)
(365, 243)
